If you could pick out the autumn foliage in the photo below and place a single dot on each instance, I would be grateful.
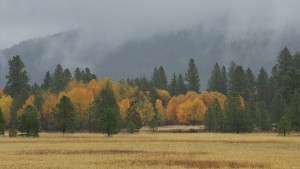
(191, 107)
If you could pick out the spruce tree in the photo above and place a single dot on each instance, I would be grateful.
(153, 96)
(296, 60)
(133, 119)
(182, 88)
(238, 81)
(58, 80)
(65, 116)
(295, 110)
(237, 120)
(263, 120)
(173, 89)
(159, 78)
(77, 74)
(163, 78)
(277, 107)
(29, 122)
(250, 83)
(284, 125)
(155, 77)
(47, 81)
(38, 104)
(212, 117)
(17, 78)
(272, 85)
(67, 77)
(192, 77)
(215, 82)
(2, 123)
(17, 86)
(291, 83)
(224, 81)
(284, 60)
(251, 109)
(107, 113)
(262, 85)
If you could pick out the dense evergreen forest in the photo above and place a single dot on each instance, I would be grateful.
(235, 100)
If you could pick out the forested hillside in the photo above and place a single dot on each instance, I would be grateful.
(137, 57)
(235, 100)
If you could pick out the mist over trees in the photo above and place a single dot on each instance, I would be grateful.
(236, 99)
(172, 50)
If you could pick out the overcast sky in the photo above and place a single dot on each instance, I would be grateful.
(118, 20)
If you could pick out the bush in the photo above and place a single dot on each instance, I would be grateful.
(131, 127)
(284, 125)
(29, 122)
(13, 132)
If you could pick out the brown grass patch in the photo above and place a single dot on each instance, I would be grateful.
(117, 152)
(200, 164)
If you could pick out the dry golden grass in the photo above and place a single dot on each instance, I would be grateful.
(148, 150)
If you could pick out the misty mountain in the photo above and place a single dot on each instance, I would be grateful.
(138, 57)
(207, 47)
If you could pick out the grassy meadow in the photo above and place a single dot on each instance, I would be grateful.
(151, 150)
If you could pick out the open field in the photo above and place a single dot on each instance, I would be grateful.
(148, 150)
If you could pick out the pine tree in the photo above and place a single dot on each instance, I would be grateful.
(77, 74)
(47, 81)
(284, 125)
(224, 81)
(296, 60)
(133, 119)
(163, 78)
(295, 110)
(272, 85)
(277, 107)
(153, 96)
(291, 83)
(17, 86)
(237, 120)
(2, 123)
(155, 77)
(65, 117)
(251, 109)
(182, 88)
(17, 103)
(284, 60)
(58, 80)
(17, 78)
(29, 122)
(263, 120)
(238, 81)
(38, 104)
(67, 77)
(159, 78)
(250, 83)
(106, 111)
(212, 117)
(262, 85)
(173, 89)
(192, 77)
(215, 82)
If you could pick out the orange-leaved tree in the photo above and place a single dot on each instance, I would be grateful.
(192, 110)
(175, 101)
(160, 110)
(5, 105)
(209, 97)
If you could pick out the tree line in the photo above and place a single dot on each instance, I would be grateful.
(235, 100)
